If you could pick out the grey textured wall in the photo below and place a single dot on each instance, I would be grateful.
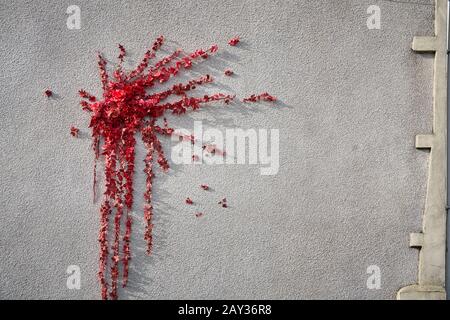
(350, 187)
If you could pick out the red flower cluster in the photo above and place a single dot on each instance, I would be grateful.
(125, 109)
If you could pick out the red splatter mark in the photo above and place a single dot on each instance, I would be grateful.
(228, 72)
(125, 109)
(48, 93)
(189, 201)
(204, 187)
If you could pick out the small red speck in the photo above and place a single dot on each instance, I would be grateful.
(74, 131)
(213, 48)
(234, 41)
(48, 93)
(195, 158)
(223, 202)
(189, 201)
(204, 187)
(199, 214)
(228, 72)
(210, 148)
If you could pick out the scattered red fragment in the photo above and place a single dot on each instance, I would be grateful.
(213, 48)
(48, 93)
(234, 41)
(223, 202)
(122, 53)
(74, 131)
(204, 187)
(228, 72)
(263, 96)
(189, 201)
(199, 214)
(190, 138)
(212, 149)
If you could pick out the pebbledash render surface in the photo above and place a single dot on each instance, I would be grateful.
(352, 192)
